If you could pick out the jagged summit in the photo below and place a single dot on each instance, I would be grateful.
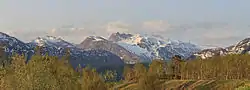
(119, 36)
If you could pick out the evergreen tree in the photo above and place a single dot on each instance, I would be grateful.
(110, 76)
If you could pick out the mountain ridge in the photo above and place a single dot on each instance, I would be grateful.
(128, 47)
(241, 47)
(100, 43)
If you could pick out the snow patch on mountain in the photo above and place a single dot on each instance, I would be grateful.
(153, 46)
(135, 49)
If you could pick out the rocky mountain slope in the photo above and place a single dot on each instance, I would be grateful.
(99, 43)
(153, 46)
(12, 44)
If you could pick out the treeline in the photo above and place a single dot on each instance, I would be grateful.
(230, 67)
(49, 72)
(234, 66)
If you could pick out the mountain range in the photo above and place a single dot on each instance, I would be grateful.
(118, 49)
(57, 47)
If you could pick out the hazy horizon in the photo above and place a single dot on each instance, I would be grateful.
(214, 22)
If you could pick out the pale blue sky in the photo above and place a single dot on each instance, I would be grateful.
(217, 22)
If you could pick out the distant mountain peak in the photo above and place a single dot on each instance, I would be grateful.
(100, 43)
(51, 41)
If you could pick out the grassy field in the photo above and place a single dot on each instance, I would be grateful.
(193, 85)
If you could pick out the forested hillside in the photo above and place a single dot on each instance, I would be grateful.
(49, 72)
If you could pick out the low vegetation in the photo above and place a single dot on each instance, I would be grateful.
(48, 72)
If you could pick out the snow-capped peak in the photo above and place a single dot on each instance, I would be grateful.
(155, 45)
(51, 41)
(242, 47)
